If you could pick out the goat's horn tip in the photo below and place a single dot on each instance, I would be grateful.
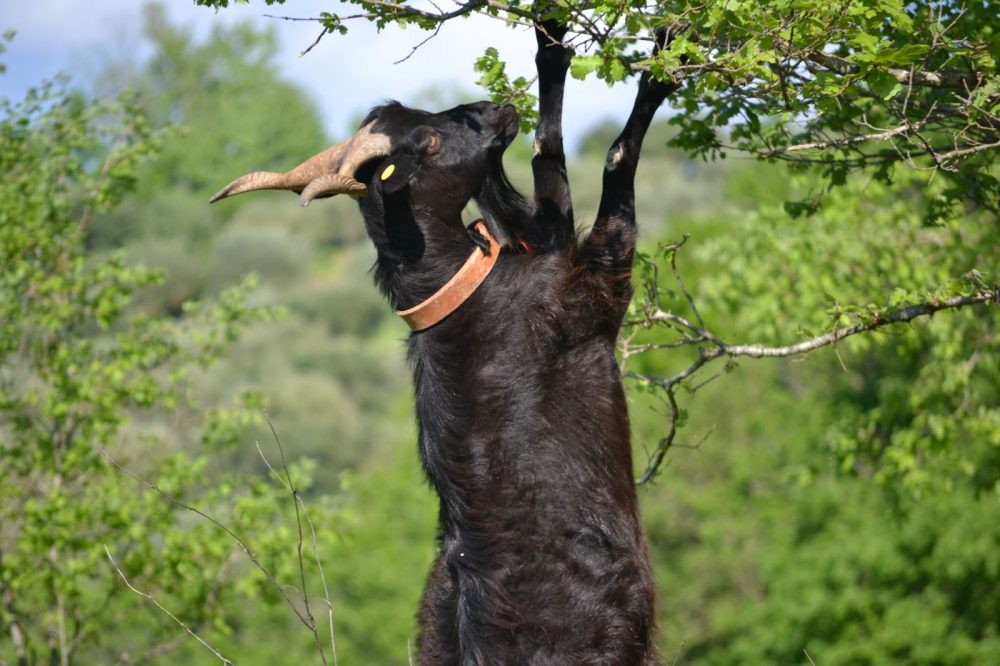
(227, 191)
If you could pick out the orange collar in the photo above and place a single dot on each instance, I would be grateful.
(462, 284)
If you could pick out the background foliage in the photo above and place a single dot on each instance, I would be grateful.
(839, 508)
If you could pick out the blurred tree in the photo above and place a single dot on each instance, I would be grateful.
(226, 95)
(78, 376)
(845, 505)
(221, 95)
(218, 95)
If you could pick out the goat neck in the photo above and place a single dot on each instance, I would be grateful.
(418, 250)
(458, 288)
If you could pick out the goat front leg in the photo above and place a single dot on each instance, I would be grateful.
(610, 247)
(553, 204)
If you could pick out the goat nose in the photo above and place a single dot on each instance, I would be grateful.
(507, 111)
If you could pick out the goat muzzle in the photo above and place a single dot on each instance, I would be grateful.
(323, 175)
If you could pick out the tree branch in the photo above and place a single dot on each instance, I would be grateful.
(878, 321)
(173, 617)
(946, 78)
(711, 348)
(300, 512)
(841, 142)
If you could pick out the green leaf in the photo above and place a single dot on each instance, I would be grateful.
(882, 84)
(581, 66)
(906, 55)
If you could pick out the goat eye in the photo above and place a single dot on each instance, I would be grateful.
(469, 118)
(474, 124)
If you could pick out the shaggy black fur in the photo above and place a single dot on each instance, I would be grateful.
(524, 431)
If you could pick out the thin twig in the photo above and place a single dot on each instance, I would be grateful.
(680, 282)
(322, 33)
(663, 446)
(173, 617)
(413, 50)
(298, 542)
(300, 505)
(214, 521)
(170, 645)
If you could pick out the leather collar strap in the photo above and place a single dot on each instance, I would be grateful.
(457, 290)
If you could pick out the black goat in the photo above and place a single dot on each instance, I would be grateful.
(524, 430)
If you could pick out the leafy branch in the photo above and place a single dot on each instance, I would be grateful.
(687, 332)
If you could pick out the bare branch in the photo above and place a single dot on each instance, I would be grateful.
(389, 10)
(403, 11)
(299, 512)
(878, 321)
(967, 150)
(421, 43)
(322, 33)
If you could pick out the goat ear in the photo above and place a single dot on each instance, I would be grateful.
(405, 161)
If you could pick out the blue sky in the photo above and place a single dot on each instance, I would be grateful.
(344, 75)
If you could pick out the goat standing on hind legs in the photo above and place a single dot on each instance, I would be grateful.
(524, 430)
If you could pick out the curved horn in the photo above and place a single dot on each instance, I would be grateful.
(329, 184)
(325, 174)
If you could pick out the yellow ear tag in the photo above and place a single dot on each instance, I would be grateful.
(389, 170)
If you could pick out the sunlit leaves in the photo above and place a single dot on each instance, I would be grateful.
(866, 251)
(581, 66)
(503, 90)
